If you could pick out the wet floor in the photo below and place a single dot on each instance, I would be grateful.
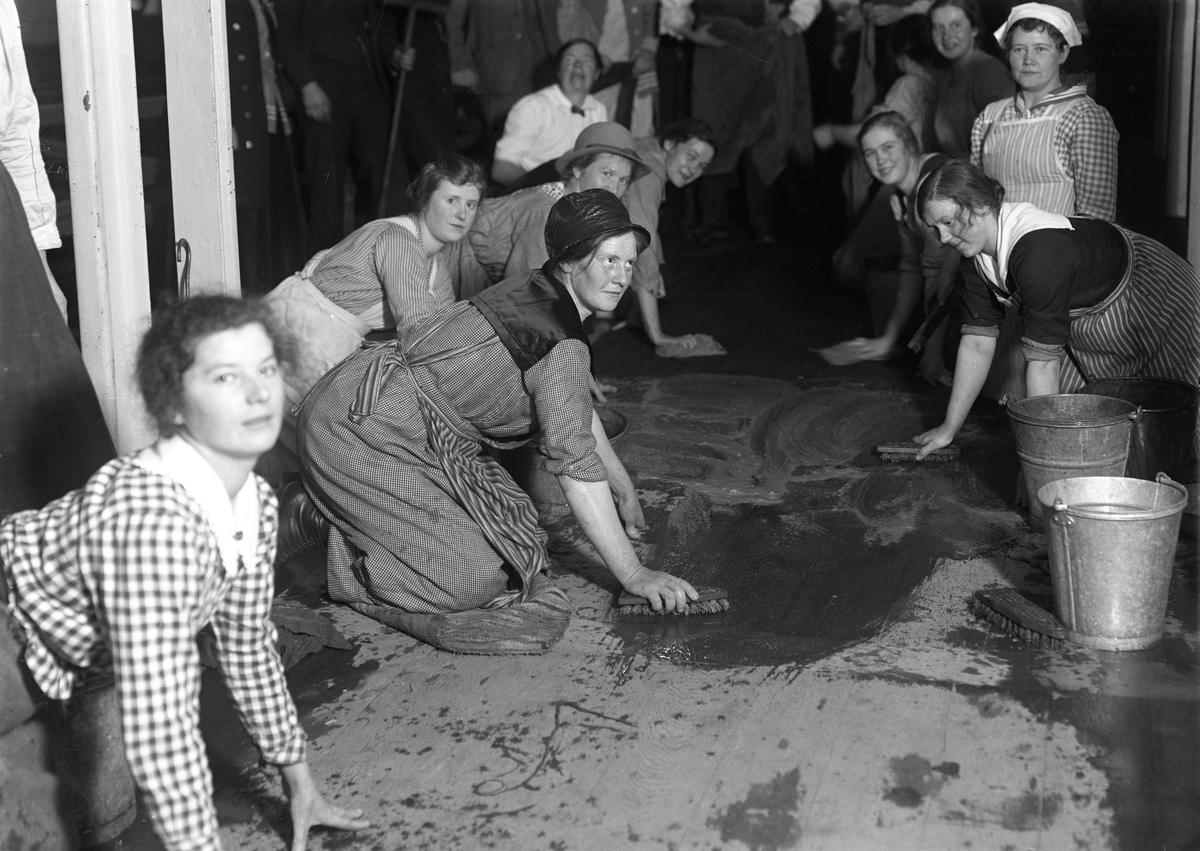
(848, 700)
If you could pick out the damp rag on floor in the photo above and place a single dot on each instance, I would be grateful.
(690, 346)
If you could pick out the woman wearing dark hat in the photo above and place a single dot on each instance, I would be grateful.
(507, 234)
(430, 535)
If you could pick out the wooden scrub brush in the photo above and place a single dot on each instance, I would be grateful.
(907, 451)
(710, 601)
(1007, 610)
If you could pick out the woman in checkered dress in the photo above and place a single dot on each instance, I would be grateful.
(1049, 144)
(1094, 300)
(424, 522)
(106, 588)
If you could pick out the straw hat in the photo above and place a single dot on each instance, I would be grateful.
(581, 216)
(606, 137)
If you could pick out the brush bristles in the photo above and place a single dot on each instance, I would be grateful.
(908, 456)
(708, 607)
(986, 613)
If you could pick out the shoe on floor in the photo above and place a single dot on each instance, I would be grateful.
(301, 525)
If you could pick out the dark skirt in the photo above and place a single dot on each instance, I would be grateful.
(52, 431)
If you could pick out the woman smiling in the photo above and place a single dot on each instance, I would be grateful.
(1093, 299)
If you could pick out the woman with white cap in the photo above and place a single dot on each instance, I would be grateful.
(1049, 145)
(430, 534)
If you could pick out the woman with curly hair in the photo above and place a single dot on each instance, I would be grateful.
(108, 586)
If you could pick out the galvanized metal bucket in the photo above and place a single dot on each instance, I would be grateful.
(1112, 548)
(1065, 435)
(1161, 440)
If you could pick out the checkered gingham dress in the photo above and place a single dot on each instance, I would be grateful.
(391, 444)
(124, 572)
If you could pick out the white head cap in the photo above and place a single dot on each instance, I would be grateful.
(1060, 19)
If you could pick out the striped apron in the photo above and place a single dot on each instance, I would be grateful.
(1020, 154)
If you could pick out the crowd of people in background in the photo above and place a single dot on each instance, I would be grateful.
(474, 186)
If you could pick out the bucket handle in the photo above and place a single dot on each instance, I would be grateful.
(1062, 516)
(1164, 479)
(1136, 415)
(1062, 512)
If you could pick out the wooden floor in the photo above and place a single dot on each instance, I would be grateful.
(848, 701)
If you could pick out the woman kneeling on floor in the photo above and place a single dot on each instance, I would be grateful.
(109, 585)
(430, 534)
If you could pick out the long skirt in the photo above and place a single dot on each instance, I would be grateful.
(52, 431)
(423, 519)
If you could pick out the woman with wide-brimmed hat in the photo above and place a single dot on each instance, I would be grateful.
(430, 534)
(507, 235)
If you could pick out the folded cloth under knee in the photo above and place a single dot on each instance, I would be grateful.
(690, 346)
(531, 627)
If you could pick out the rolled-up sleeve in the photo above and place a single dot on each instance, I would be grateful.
(981, 311)
(560, 386)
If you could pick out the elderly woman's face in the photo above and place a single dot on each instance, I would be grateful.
(888, 158)
(1035, 60)
(606, 171)
(600, 283)
(953, 34)
(231, 406)
(577, 70)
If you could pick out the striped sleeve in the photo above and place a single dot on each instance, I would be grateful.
(413, 288)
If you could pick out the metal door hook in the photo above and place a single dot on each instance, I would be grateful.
(183, 253)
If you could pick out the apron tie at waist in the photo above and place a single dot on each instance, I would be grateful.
(503, 511)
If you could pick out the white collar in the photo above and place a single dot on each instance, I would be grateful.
(563, 100)
(1015, 221)
(234, 522)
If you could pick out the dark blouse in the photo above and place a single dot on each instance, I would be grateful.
(1050, 273)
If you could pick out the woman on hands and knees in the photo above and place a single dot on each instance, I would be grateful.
(112, 582)
(927, 269)
(430, 534)
(1087, 293)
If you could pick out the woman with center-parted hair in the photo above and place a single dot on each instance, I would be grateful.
(430, 534)
(387, 275)
(1094, 300)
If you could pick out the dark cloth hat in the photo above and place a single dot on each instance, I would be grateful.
(586, 215)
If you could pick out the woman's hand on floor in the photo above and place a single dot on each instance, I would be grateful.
(662, 590)
(310, 809)
(934, 439)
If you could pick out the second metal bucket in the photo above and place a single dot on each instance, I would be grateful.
(1111, 542)
(1162, 438)
(1065, 435)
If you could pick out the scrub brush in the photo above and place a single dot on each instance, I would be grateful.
(907, 451)
(709, 602)
(1009, 611)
